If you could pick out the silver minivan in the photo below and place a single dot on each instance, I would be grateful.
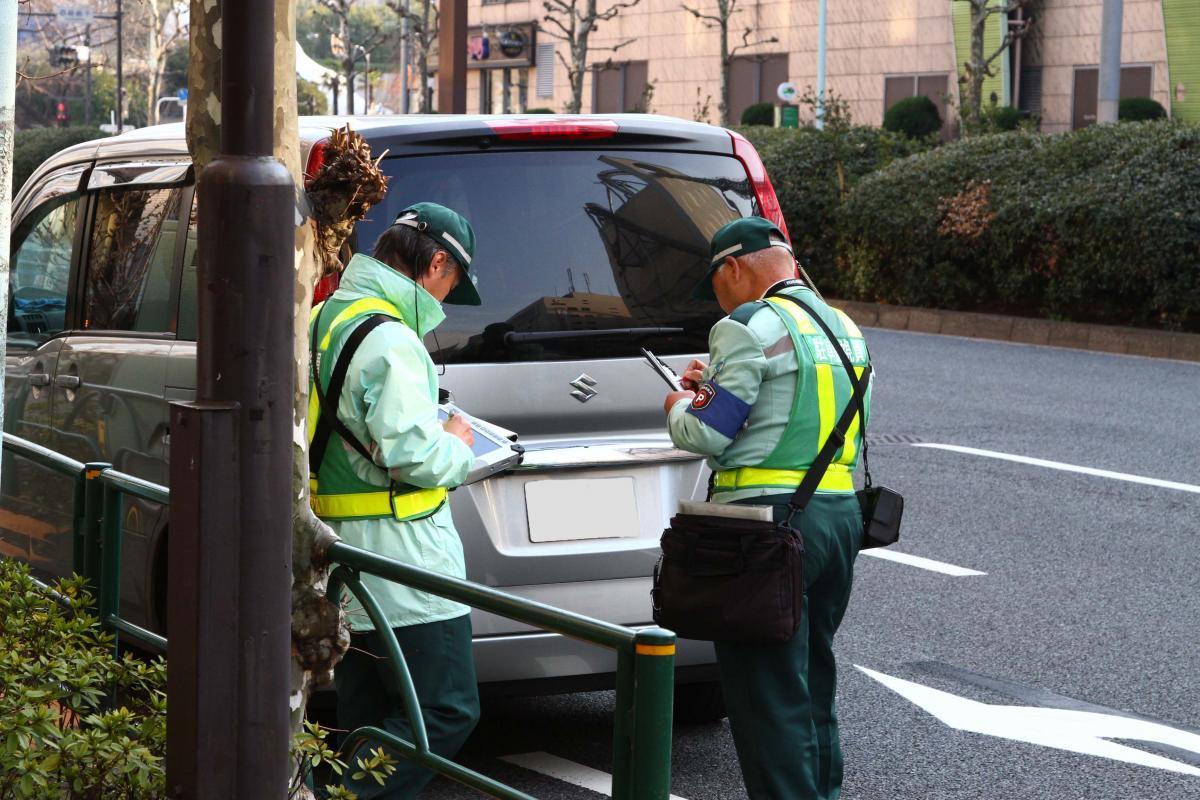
(592, 233)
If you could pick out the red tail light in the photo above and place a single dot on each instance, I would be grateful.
(528, 130)
(316, 160)
(764, 192)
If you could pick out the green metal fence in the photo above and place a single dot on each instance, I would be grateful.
(645, 658)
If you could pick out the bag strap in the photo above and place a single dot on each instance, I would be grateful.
(837, 437)
(328, 422)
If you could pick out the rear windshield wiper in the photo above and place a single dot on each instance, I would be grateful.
(513, 337)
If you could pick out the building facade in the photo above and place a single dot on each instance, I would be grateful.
(878, 51)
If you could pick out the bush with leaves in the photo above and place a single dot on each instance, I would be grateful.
(759, 114)
(32, 147)
(1097, 225)
(915, 117)
(813, 172)
(75, 721)
(1139, 109)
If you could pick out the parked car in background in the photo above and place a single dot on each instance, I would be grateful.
(592, 233)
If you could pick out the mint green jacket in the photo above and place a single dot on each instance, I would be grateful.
(389, 402)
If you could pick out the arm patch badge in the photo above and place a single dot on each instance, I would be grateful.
(705, 396)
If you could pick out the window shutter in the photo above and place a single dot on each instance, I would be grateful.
(545, 70)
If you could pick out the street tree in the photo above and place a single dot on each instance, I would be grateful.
(573, 22)
(422, 32)
(980, 65)
(159, 26)
(348, 45)
(719, 20)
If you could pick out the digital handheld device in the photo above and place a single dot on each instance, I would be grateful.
(664, 371)
(495, 448)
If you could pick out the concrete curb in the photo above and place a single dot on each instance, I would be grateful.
(1077, 335)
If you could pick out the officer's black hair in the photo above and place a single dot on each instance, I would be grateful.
(407, 249)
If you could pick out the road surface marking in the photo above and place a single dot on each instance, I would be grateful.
(567, 771)
(1085, 732)
(1041, 462)
(918, 561)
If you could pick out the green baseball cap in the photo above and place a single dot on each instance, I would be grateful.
(453, 233)
(738, 238)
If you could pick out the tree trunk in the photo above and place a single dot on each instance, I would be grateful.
(978, 69)
(8, 102)
(579, 53)
(204, 84)
(726, 65)
(426, 39)
(153, 58)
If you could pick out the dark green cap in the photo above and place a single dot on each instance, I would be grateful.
(453, 233)
(738, 238)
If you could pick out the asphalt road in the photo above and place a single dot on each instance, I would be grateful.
(1084, 624)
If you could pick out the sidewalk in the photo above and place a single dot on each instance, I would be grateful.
(1078, 335)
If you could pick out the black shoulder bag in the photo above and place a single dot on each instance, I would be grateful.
(736, 580)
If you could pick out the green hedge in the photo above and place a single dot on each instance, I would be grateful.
(759, 114)
(916, 117)
(1139, 109)
(812, 172)
(35, 145)
(1098, 225)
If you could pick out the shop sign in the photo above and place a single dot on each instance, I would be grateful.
(508, 45)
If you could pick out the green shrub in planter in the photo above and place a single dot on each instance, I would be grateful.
(1140, 109)
(916, 117)
(759, 114)
(1098, 225)
(1005, 118)
(32, 147)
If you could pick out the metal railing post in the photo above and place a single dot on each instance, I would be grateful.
(110, 562)
(654, 678)
(79, 520)
(93, 518)
(623, 716)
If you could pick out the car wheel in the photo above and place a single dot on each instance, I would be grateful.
(699, 703)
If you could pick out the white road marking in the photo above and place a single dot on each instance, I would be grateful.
(1086, 732)
(918, 561)
(567, 771)
(1041, 462)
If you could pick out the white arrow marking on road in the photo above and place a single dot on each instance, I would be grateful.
(1084, 732)
(1041, 462)
(918, 561)
(567, 771)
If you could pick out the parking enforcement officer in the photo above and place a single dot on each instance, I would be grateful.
(381, 475)
(763, 408)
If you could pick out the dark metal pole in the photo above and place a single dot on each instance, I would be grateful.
(452, 63)
(236, 521)
(120, 72)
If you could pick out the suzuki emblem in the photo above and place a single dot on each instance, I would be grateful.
(584, 388)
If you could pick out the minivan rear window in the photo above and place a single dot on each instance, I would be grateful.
(579, 254)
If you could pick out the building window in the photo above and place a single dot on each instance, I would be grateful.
(1135, 82)
(545, 70)
(754, 79)
(618, 88)
(935, 87)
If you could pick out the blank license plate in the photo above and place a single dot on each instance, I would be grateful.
(591, 508)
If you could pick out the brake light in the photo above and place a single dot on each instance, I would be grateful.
(764, 192)
(528, 130)
(316, 160)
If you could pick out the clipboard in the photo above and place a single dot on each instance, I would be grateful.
(495, 448)
(663, 371)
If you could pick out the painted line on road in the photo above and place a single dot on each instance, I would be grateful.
(922, 563)
(1041, 462)
(567, 771)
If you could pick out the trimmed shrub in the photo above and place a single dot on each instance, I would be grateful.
(539, 111)
(916, 117)
(1005, 118)
(1140, 109)
(35, 145)
(759, 114)
(813, 171)
(1099, 225)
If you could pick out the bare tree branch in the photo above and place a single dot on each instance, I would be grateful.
(746, 43)
(708, 19)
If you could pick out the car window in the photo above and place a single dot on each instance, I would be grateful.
(579, 254)
(127, 284)
(41, 271)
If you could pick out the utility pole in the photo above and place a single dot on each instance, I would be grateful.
(820, 110)
(1109, 94)
(230, 573)
(8, 102)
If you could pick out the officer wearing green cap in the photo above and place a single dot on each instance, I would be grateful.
(760, 412)
(380, 467)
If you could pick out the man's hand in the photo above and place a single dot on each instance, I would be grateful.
(675, 397)
(693, 376)
(457, 426)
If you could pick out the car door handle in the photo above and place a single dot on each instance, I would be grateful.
(39, 379)
(67, 381)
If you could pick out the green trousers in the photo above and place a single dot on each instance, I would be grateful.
(443, 673)
(780, 697)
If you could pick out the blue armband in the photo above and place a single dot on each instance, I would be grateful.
(719, 409)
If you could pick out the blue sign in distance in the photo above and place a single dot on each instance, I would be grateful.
(183, 94)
